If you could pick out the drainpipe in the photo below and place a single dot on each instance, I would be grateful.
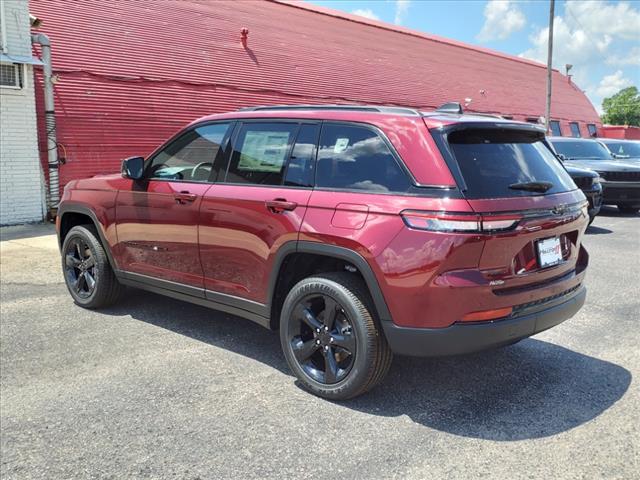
(50, 123)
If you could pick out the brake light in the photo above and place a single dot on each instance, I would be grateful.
(441, 222)
(496, 223)
(459, 222)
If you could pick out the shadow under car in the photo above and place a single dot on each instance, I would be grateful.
(532, 389)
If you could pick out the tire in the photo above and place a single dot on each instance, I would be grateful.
(352, 338)
(87, 272)
(628, 209)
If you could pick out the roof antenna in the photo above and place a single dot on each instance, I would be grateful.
(450, 107)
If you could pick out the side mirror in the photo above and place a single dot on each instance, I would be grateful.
(562, 157)
(133, 168)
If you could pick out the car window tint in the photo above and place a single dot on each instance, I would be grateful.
(301, 163)
(191, 156)
(494, 161)
(575, 130)
(581, 149)
(555, 128)
(625, 149)
(356, 158)
(260, 152)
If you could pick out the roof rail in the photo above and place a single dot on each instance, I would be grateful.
(359, 108)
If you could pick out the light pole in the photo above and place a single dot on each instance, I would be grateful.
(547, 115)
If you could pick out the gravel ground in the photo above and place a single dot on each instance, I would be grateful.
(156, 388)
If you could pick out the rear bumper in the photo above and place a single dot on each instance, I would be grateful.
(466, 338)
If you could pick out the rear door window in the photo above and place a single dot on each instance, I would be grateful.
(260, 152)
(498, 163)
(355, 157)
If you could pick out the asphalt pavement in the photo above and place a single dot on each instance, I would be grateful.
(157, 388)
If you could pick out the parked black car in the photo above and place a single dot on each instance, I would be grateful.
(589, 182)
(620, 178)
(622, 149)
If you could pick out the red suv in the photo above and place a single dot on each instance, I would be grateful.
(355, 231)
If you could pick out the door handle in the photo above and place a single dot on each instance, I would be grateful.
(279, 205)
(185, 197)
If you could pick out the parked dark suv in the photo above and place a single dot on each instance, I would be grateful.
(620, 179)
(357, 232)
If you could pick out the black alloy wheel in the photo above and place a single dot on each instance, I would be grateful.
(331, 337)
(322, 338)
(80, 267)
(87, 272)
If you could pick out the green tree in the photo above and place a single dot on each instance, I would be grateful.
(623, 108)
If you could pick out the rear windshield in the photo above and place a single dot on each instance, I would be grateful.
(498, 163)
(581, 150)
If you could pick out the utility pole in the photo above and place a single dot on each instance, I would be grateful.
(547, 116)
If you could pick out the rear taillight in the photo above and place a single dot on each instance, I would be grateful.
(459, 222)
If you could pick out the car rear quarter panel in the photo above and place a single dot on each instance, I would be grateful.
(403, 260)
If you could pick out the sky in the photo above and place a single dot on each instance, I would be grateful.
(600, 38)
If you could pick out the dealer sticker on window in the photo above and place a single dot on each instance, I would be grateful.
(341, 145)
(549, 252)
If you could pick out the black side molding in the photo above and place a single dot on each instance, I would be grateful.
(241, 307)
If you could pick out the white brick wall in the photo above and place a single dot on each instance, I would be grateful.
(21, 183)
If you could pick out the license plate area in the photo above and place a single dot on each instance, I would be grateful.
(549, 252)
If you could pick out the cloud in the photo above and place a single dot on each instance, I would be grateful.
(402, 8)
(589, 35)
(597, 17)
(366, 13)
(501, 19)
(630, 57)
(574, 46)
(612, 84)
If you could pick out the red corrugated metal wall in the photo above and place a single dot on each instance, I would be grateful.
(132, 72)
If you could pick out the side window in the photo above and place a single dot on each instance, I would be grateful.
(259, 153)
(555, 128)
(191, 156)
(356, 158)
(592, 130)
(301, 163)
(575, 129)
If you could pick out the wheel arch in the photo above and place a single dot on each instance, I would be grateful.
(329, 252)
(72, 215)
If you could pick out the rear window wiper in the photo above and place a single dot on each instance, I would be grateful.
(532, 186)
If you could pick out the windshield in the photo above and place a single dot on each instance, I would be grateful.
(581, 150)
(498, 163)
(624, 149)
